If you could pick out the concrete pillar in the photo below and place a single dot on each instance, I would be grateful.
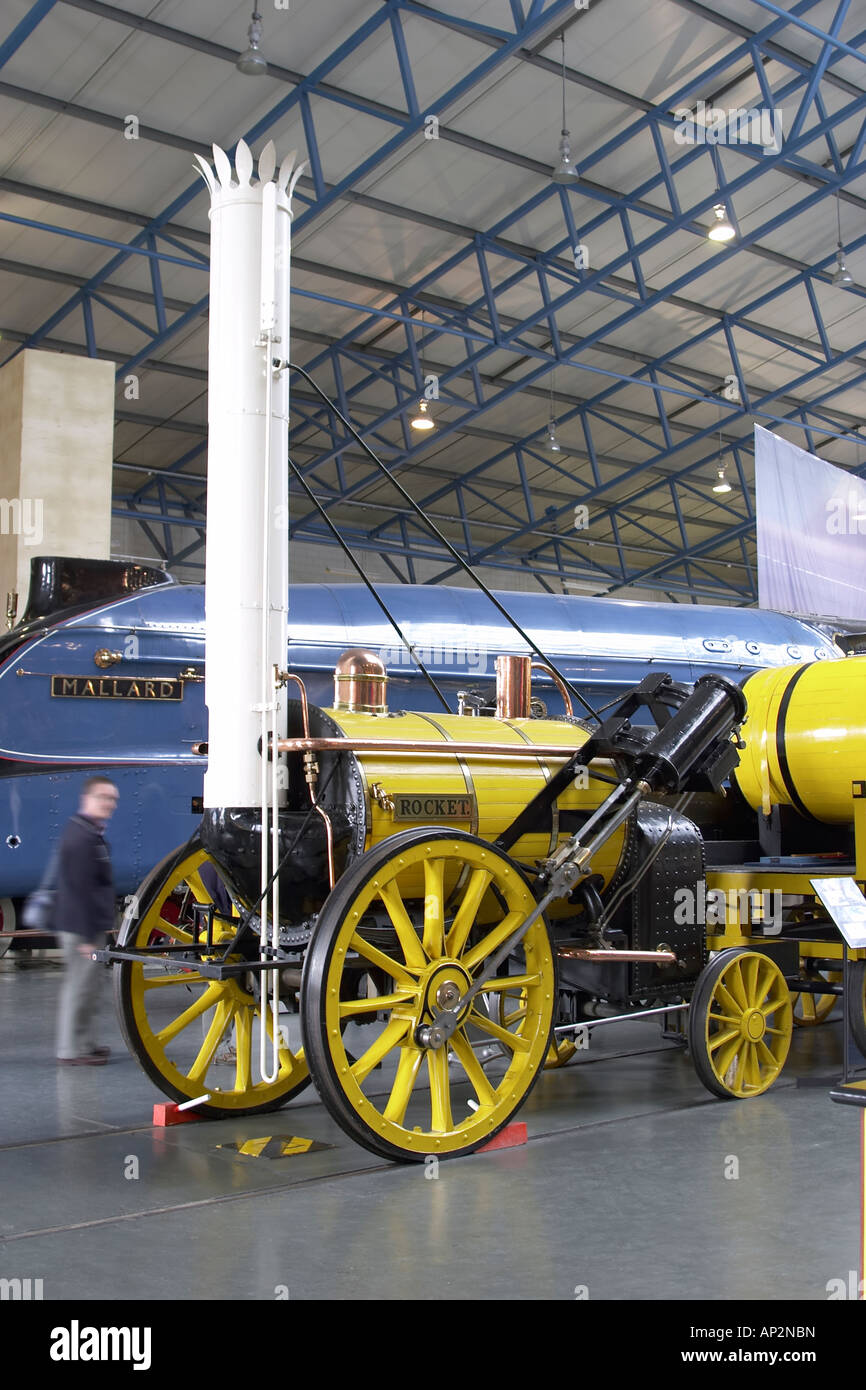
(56, 449)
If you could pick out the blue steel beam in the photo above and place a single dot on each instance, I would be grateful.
(811, 92)
(636, 472)
(452, 427)
(194, 480)
(148, 251)
(595, 279)
(605, 508)
(768, 297)
(539, 21)
(325, 91)
(794, 16)
(418, 547)
(737, 531)
(101, 8)
(827, 127)
(392, 509)
(24, 28)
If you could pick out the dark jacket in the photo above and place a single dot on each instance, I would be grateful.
(85, 886)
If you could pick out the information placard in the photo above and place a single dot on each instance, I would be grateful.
(846, 905)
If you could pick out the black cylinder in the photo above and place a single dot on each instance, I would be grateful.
(713, 710)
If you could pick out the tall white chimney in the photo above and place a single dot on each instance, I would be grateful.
(247, 577)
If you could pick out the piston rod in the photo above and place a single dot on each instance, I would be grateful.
(619, 1018)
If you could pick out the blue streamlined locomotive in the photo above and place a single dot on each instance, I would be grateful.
(105, 672)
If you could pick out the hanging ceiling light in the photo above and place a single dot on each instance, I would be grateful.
(722, 485)
(721, 230)
(423, 420)
(553, 443)
(253, 63)
(565, 171)
(841, 275)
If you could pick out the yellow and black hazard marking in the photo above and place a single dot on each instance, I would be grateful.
(276, 1146)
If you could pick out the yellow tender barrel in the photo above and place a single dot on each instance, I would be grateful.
(805, 738)
(481, 794)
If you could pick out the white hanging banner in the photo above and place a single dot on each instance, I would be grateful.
(811, 523)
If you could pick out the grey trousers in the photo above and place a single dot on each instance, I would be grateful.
(80, 999)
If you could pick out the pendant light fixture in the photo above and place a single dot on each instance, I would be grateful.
(553, 443)
(253, 63)
(842, 275)
(422, 419)
(721, 484)
(565, 171)
(721, 229)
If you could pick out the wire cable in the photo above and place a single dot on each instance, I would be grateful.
(455, 554)
(381, 602)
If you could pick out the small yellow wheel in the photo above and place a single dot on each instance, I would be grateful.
(811, 1009)
(408, 929)
(740, 1024)
(190, 1034)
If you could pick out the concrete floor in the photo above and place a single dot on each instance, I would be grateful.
(621, 1192)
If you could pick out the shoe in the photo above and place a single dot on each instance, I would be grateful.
(92, 1061)
(101, 1052)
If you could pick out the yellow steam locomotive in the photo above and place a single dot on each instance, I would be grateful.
(457, 891)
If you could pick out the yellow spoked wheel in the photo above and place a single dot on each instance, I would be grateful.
(510, 1009)
(195, 1036)
(811, 1009)
(406, 932)
(740, 1024)
(561, 1050)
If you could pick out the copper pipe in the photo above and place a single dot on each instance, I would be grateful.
(305, 713)
(33, 932)
(612, 956)
(558, 682)
(329, 833)
(305, 716)
(402, 746)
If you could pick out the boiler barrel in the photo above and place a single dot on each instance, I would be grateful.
(805, 738)
(481, 794)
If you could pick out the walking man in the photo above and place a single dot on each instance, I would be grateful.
(84, 912)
